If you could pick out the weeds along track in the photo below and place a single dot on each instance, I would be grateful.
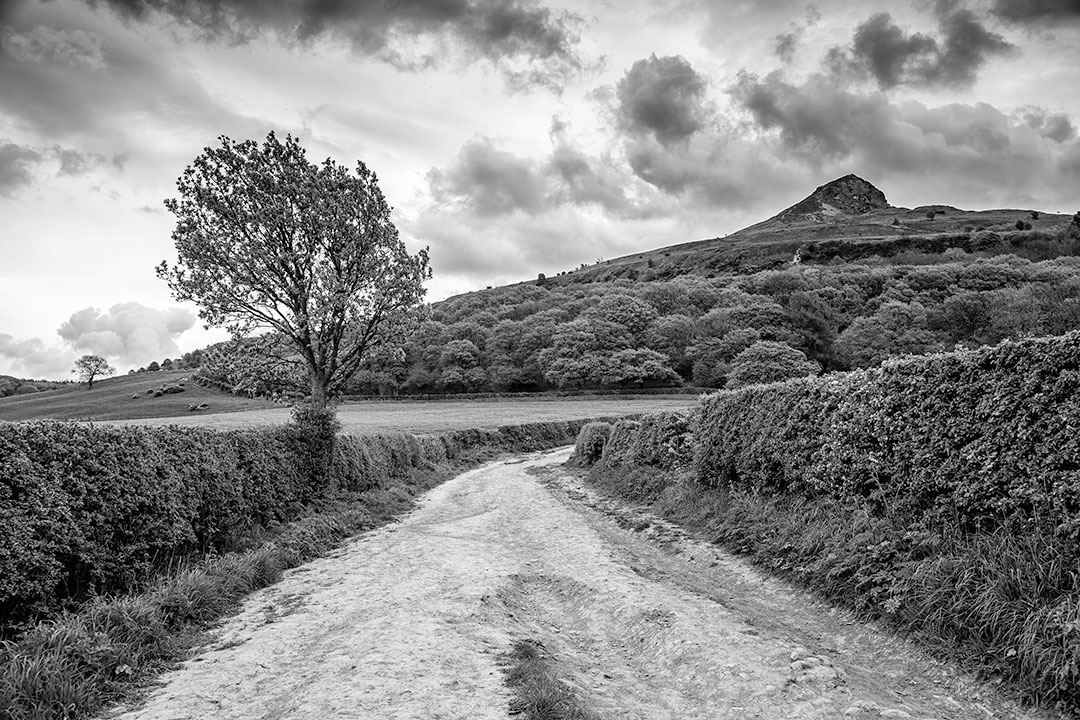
(424, 618)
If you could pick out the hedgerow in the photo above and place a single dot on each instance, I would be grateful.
(941, 493)
(88, 510)
(589, 445)
(978, 439)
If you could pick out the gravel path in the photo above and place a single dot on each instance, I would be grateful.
(413, 621)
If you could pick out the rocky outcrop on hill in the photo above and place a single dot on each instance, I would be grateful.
(849, 195)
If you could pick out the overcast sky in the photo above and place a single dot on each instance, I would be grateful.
(513, 137)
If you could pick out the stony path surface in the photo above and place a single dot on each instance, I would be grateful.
(414, 620)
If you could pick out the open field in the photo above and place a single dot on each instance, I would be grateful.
(441, 415)
(111, 399)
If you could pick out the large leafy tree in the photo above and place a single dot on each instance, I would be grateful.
(269, 241)
(90, 367)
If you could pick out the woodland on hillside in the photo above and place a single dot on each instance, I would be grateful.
(20, 386)
(705, 332)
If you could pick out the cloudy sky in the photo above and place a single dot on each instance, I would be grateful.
(513, 137)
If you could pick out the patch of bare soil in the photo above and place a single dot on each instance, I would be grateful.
(414, 620)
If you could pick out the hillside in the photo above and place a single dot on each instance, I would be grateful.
(112, 399)
(849, 219)
(10, 385)
(842, 279)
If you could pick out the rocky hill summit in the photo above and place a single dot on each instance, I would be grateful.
(849, 195)
(845, 220)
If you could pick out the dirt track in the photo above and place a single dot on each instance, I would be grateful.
(412, 621)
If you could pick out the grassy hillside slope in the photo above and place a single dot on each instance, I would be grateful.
(111, 399)
(845, 212)
(772, 244)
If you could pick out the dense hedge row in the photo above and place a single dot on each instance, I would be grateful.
(976, 439)
(96, 509)
(941, 493)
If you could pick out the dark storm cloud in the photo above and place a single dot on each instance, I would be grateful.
(785, 44)
(883, 50)
(976, 148)
(20, 164)
(492, 29)
(1054, 126)
(663, 96)
(1025, 11)
(585, 180)
(42, 44)
(716, 171)
(490, 181)
(816, 119)
(17, 165)
(82, 105)
(674, 139)
(73, 162)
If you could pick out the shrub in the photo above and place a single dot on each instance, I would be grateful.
(663, 440)
(620, 445)
(589, 446)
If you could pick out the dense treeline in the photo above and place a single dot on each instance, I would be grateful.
(726, 332)
(188, 361)
(19, 386)
(942, 493)
(837, 305)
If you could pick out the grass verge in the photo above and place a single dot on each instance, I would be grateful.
(1002, 604)
(538, 692)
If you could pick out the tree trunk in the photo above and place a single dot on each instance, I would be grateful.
(318, 391)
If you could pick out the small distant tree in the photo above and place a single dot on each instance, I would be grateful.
(268, 241)
(153, 367)
(930, 214)
(541, 279)
(89, 367)
(1034, 214)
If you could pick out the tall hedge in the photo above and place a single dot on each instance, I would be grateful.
(90, 509)
(979, 439)
(942, 493)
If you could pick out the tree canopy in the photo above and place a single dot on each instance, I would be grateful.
(91, 367)
(268, 241)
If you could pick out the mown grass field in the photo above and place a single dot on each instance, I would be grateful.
(110, 401)
(369, 417)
